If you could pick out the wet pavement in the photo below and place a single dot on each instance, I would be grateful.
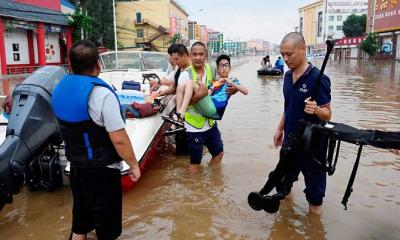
(169, 203)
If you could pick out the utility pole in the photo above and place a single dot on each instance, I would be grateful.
(115, 28)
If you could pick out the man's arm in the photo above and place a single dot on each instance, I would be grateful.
(124, 149)
(278, 137)
(324, 113)
(197, 95)
(170, 90)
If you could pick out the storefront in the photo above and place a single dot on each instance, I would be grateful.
(348, 48)
(386, 22)
(31, 36)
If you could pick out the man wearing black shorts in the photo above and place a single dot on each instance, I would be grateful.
(96, 142)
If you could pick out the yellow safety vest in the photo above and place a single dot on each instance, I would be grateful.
(192, 117)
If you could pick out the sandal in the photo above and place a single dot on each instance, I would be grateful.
(175, 119)
(173, 130)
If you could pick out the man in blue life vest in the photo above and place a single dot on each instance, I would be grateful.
(89, 114)
(297, 88)
(279, 64)
(201, 131)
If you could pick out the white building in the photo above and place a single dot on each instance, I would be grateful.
(337, 12)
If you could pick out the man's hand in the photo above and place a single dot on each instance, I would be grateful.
(134, 173)
(311, 106)
(231, 89)
(154, 84)
(278, 137)
(202, 91)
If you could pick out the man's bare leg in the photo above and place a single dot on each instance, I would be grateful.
(186, 98)
(315, 209)
(180, 92)
(78, 236)
(217, 159)
(194, 168)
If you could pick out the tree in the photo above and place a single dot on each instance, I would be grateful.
(80, 22)
(355, 25)
(101, 14)
(370, 45)
(176, 38)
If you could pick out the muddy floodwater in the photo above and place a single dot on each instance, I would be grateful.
(169, 203)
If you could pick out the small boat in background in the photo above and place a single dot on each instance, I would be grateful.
(269, 72)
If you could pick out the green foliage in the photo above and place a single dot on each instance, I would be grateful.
(370, 44)
(80, 21)
(355, 25)
(176, 38)
(101, 30)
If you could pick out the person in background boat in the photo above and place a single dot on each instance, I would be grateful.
(297, 88)
(169, 80)
(213, 105)
(201, 131)
(266, 63)
(279, 64)
(96, 142)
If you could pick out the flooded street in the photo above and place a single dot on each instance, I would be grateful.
(170, 203)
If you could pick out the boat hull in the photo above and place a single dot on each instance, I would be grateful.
(271, 72)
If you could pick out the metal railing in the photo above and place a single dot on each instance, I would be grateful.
(29, 69)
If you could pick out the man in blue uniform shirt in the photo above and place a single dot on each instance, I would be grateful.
(95, 139)
(297, 88)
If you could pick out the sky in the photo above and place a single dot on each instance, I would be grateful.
(242, 20)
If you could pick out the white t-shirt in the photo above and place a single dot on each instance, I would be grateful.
(103, 107)
(171, 75)
(183, 78)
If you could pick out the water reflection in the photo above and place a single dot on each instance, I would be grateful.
(170, 204)
(292, 223)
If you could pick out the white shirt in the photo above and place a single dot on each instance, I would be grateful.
(171, 75)
(183, 78)
(103, 107)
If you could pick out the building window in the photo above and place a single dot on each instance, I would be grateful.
(339, 28)
(301, 25)
(330, 27)
(138, 17)
(331, 18)
(319, 24)
(339, 18)
(139, 33)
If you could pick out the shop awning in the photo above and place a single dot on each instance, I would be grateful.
(32, 13)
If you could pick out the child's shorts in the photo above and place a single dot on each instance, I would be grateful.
(206, 107)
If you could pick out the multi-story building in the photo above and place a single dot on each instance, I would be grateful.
(311, 24)
(258, 46)
(323, 19)
(384, 19)
(150, 24)
(337, 12)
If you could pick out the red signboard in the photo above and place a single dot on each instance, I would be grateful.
(349, 41)
(387, 15)
(52, 4)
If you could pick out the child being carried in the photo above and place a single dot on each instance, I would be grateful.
(213, 105)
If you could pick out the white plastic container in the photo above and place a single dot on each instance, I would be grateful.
(130, 96)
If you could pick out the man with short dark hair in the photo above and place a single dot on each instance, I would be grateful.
(96, 142)
(200, 131)
(297, 87)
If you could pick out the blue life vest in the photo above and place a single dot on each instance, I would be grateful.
(86, 143)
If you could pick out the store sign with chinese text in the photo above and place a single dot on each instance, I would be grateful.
(387, 15)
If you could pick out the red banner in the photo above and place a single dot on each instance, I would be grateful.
(173, 26)
(349, 41)
(387, 15)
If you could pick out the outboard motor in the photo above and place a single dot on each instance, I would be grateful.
(32, 131)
